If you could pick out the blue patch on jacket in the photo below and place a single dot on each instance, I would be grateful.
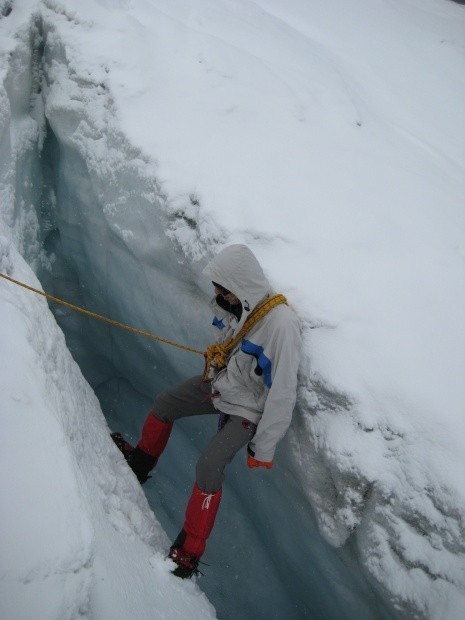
(218, 323)
(263, 363)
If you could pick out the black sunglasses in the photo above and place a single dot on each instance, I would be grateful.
(223, 291)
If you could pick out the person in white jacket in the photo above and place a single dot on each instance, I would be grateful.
(250, 380)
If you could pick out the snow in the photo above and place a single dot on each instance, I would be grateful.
(78, 539)
(137, 139)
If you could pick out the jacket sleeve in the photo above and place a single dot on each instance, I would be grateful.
(283, 349)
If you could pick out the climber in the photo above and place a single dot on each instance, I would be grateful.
(252, 388)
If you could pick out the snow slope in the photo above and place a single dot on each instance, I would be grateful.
(78, 538)
(327, 136)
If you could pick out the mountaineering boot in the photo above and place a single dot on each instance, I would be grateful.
(187, 564)
(143, 458)
(190, 544)
(140, 462)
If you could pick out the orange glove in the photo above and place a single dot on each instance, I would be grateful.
(252, 462)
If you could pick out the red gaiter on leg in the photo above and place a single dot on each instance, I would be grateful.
(155, 435)
(200, 518)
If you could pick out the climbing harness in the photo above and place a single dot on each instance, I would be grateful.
(216, 355)
(100, 317)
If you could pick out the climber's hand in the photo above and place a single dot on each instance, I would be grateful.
(252, 462)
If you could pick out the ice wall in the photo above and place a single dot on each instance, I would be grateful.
(108, 224)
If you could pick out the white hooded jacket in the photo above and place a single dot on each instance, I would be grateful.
(259, 382)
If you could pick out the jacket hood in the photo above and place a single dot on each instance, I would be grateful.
(237, 269)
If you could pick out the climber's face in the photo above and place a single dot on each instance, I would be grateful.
(225, 294)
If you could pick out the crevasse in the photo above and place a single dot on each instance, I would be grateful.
(91, 219)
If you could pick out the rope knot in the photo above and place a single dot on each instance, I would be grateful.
(216, 355)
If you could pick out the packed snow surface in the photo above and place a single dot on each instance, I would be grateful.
(139, 138)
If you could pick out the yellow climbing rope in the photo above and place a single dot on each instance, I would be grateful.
(94, 315)
(217, 354)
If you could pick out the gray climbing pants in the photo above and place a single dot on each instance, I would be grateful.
(191, 398)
